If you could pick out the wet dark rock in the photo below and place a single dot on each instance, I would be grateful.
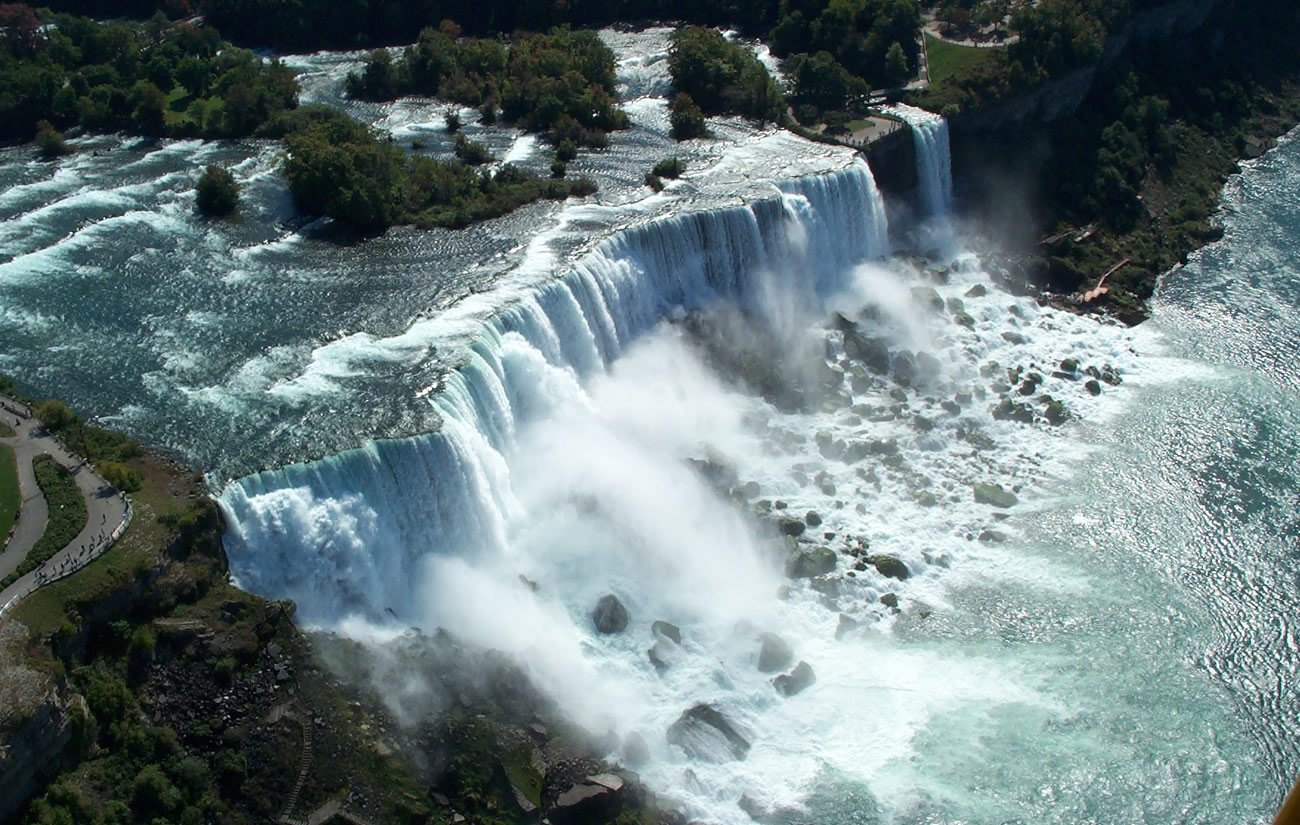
(667, 630)
(810, 561)
(977, 291)
(1055, 412)
(872, 352)
(922, 424)
(889, 566)
(1008, 410)
(1092, 386)
(847, 624)
(927, 499)
(1110, 375)
(994, 495)
(584, 803)
(610, 616)
(1014, 338)
(992, 537)
(812, 519)
(1070, 365)
(950, 407)
(905, 368)
(964, 319)
(705, 733)
(791, 527)
(797, 680)
(662, 654)
(889, 600)
(774, 653)
(928, 297)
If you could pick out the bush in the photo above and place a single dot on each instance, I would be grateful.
(471, 151)
(654, 182)
(722, 77)
(217, 192)
(50, 141)
(566, 151)
(686, 118)
(453, 122)
(120, 476)
(670, 168)
(559, 168)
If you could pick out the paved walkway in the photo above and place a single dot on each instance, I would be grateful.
(108, 512)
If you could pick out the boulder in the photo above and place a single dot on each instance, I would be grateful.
(977, 291)
(788, 684)
(994, 495)
(584, 803)
(705, 733)
(662, 655)
(667, 630)
(774, 653)
(1092, 386)
(964, 319)
(889, 566)
(872, 352)
(1014, 338)
(992, 537)
(791, 527)
(610, 616)
(928, 297)
(812, 519)
(847, 625)
(810, 561)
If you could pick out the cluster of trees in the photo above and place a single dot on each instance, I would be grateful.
(717, 76)
(561, 82)
(341, 168)
(1056, 36)
(156, 79)
(873, 40)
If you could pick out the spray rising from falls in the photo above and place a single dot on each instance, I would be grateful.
(933, 162)
(350, 534)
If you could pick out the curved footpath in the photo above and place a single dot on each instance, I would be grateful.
(108, 511)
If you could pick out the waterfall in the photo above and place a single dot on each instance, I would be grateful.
(348, 534)
(933, 161)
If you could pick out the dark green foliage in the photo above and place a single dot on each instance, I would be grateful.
(340, 168)
(50, 141)
(686, 118)
(821, 82)
(169, 80)
(559, 81)
(722, 77)
(453, 122)
(670, 168)
(471, 151)
(119, 475)
(566, 151)
(654, 181)
(559, 168)
(217, 192)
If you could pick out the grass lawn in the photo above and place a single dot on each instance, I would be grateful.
(10, 497)
(947, 59)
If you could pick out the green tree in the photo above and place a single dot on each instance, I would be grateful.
(50, 141)
(896, 69)
(686, 118)
(217, 192)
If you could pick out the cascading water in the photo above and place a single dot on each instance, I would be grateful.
(933, 162)
(343, 535)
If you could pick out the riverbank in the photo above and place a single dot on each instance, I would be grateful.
(1127, 178)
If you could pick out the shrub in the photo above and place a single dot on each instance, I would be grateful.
(50, 141)
(217, 192)
(453, 121)
(120, 476)
(686, 118)
(558, 169)
(654, 181)
(472, 152)
(566, 151)
(670, 168)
